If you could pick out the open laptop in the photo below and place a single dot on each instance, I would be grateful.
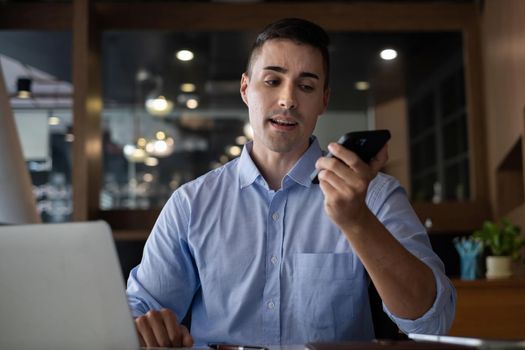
(61, 287)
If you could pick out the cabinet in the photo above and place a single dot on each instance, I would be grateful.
(490, 308)
(439, 148)
(448, 177)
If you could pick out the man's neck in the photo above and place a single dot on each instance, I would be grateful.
(273, 166)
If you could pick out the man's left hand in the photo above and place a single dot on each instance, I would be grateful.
(344, 182)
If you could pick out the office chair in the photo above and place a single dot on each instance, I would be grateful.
(384, 327)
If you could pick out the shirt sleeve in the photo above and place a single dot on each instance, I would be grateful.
(390, 204)
(166, 277)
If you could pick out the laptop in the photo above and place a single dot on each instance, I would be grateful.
(61, 287)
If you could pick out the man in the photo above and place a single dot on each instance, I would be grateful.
(258, 254)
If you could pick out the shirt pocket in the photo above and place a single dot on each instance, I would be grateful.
(324, 302)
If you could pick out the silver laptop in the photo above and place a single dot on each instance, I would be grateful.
(61, 287)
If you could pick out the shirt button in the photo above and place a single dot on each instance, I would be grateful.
(274, 260)
(275, 216)
(271, 305)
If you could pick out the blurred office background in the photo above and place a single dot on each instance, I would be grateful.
(119, 103)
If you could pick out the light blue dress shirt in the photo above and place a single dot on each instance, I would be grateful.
(258, 266)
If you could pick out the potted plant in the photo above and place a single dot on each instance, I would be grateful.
(504, 243)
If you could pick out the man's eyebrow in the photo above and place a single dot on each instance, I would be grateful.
(279, 69)
(276, 68)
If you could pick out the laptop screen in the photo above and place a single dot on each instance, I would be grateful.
(61, 287)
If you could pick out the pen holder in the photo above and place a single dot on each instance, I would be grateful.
(468, 250)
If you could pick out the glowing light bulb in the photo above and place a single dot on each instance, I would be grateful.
(388, 54)
(184, 55)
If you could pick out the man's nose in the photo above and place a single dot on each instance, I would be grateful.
(287, 99)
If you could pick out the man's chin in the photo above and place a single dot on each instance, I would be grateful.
(284, 146)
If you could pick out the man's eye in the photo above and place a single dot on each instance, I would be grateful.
(306, 88)
(271, 82)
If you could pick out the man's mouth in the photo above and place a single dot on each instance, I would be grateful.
(283, 122)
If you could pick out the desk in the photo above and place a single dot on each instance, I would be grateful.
(490, 308)
(361, 345)
(380, 345)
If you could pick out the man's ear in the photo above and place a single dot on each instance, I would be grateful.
(244, 85)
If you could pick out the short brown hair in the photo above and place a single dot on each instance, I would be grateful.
(298, 30)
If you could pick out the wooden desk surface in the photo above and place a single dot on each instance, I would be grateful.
(490, 308)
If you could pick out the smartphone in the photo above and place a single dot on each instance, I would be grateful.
(365, 144)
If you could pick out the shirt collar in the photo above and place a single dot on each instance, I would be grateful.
(304, 167)
(247, 169)
(300, 173)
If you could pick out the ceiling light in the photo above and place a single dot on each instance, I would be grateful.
(362, 85)
(388, 54)
(187, 87)
(53, 120)
(141, 142)
(23, 88)
(151, 161)
(160, 147)
(135, 154)
(233, 151)
(192, 103)
(184, 55)
(248, 131)
(241, 140)
(142, 75)
(159, 106)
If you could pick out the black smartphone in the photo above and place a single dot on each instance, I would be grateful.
(365, 144)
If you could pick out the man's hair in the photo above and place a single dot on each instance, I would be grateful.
(299, 31)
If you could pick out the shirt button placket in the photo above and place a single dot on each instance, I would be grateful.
(271, 316)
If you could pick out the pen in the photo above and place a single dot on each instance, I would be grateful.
(222, 346)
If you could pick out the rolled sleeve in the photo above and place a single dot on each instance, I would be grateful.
(393, 209)
(166, 276)
(438, 319)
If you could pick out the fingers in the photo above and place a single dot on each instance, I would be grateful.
(346, 166)
(379, 160)
(173, 332)
(145, 331)
(160, 329)
(344, 181)
(141, 339)
(187, 339)
(352, 164)
(178, 334)
(348, 157)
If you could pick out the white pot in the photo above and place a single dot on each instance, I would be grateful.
(498, 267)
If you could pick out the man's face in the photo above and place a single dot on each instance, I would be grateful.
(285, 95)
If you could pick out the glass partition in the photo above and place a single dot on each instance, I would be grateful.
(37, 72)
(172, 109)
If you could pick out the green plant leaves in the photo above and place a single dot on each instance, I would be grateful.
(502, 239)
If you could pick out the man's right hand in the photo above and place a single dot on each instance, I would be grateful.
(161, 329)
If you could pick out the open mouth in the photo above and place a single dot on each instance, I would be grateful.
(283, 123)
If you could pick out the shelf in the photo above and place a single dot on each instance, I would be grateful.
(130, 219)
(512, 282)
(509, 178)
(130, 235)
(453, 217)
